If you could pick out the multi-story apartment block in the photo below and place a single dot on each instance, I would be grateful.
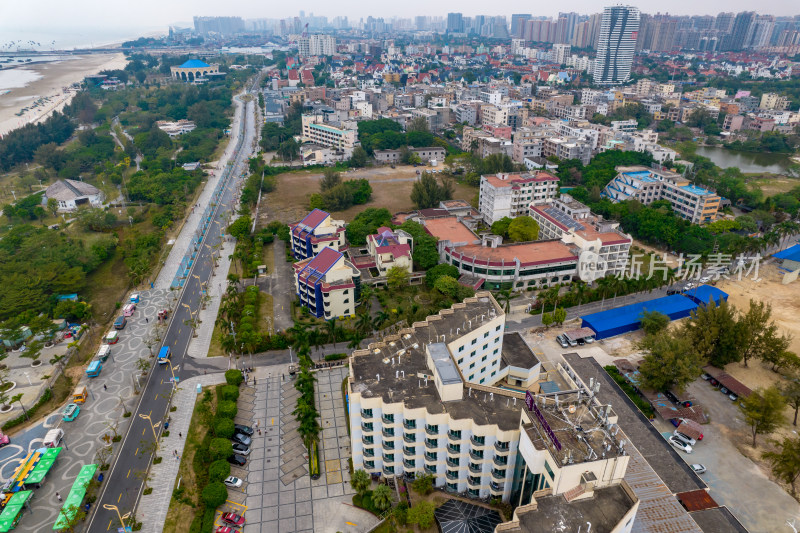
(567, 148)
(316, 45)
(615, 45)
(526, 148)
(647, 185)
(571, 222)
(315, 232)
(492, 114)
(465, 113)
(316, 131)
(327, 284)
(428, 401)
(389, 249)
(509, 195)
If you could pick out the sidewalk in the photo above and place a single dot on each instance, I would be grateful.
(181, 244)
(163, 476)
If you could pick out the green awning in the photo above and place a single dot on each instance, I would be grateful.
(74, 499)
(43, 466)
(12, 509)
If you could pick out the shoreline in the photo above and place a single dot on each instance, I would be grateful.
(53, 89)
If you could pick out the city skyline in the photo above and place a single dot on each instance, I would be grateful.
(86, 15)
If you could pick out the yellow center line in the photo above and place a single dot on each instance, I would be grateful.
(142, 431)
(109, 525)
(129, 470)
(156, 396)
(120, 497)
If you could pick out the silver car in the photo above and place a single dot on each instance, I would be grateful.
(679, 444)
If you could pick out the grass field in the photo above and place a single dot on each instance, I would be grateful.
(391, 188)
(772, 184)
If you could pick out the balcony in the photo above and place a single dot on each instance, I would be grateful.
(369, 452)
(410, 424)
(499, 475)
(410, 438)
(369, 441)
(388, 470)
(501, 460)
(502, 447)
(496, 487)
(388, 445)
(473, 493)
(431, 443)
(453, 463)
(475, 468)
(367, 428)
(432, 430)
(409, 463)
(366, 413)
(454, 435)
(476, 440)
(453, 449)
(476, 455)
(387, 419)
(388, 433)
(474, 481)
(409, 450)
(452, 474)
(430, 469)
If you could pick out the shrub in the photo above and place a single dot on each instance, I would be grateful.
(31, 411)
(219, 470)
(423, 484)
(215, 494)
(223, 427)
(230, 393)
(227, 409)
(643, 405)
(234, 377)
(421, 514)
(220, 449)
(335, 356)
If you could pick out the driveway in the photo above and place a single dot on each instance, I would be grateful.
(734, 480)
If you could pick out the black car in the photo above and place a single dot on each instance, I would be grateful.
(242, 439)
(245, 430)
(241, 449)
(237, 460)
(672, 397)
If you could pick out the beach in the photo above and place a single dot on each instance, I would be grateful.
(49, 82)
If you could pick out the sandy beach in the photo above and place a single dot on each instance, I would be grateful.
(49, 81)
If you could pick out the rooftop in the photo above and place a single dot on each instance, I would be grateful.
(449, 228)
(604, 510)
(528, 253)
(195, 63)
(66, 189)
(516, 351)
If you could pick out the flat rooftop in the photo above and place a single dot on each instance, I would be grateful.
(391, 368)
(528, 253)
(603, 510)
(516, 351)
(449, 229)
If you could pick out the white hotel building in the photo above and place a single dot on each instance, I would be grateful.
(429, 400)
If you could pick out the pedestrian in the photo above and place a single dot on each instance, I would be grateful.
(176, 453)
(259, 431)
(104, 387)
(146, 320)
(254, 381)
(283, 376)
(58, 496)
(180, 436)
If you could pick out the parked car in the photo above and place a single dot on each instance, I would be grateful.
(237, 460)
(671, 396)
(233, 519)
(684, 437)
(224, 529)
(246, 430)
(713, 382)
(241, 449)
(71, 412)
(562, 341)
(705, 376)
(698, 468)
(704, 279)
(233, 481)
(679, 444)
(242, 439)
(120, 322)
(723, 390)
(589, 340)
(581, 342)
(733, 396)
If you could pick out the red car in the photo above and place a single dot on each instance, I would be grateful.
(233, 519)
(225, 529)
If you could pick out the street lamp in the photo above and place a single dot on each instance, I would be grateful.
(152, 426)
(110, 507)
(172, 370)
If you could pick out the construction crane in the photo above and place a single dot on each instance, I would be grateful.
(305, 30)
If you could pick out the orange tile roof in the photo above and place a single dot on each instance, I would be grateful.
(449, 228)
(529, 253)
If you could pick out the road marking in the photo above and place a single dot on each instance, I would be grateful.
(351, 524)
(142, 431)
(120, 497)
(129, 470)
(156, 396)
(109, 524)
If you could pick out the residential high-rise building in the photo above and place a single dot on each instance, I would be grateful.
(316, 45)
(760, 31)
(220, 25)
(737, 39)
(518, 24)
(560, 53)
(455, 23)
(724, 22)
(616, 44)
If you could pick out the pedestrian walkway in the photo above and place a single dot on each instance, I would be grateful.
(189, 229)
(163, 477)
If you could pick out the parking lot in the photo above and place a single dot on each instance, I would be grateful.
(733, 479)
(278, 495)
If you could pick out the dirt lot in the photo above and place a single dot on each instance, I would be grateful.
(772, 184)
(391, 188)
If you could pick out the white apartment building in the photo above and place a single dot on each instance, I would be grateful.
(774, 101)
(327, 284)
(567, 148)
(560, 53)
(316, 131)
(510, 195)
(526, 148)
(316, 45)
(492, 114)
(693, 203)
(491, 97)
(316, 231)
(427, 401)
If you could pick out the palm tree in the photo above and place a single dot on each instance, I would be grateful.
(360, 482)
(355, 340)
(299, 335)
(379, 319)
(330, 326)
(18, 398)
(505, 297)
(363, 323)
(382, 497)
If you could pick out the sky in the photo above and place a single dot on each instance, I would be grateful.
(102, 16)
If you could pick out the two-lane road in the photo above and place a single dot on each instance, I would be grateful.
(124, 483)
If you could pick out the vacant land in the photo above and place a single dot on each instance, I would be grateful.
(772, 184)
(391, 188)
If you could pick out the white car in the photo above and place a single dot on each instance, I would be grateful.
(232, 481)
(704, 279)
(685, 438)
(698, 468)
(679, 444)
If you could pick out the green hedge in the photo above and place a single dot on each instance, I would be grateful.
(234, 377)
(227, 409)
(335, 356)
(643, 405)
(365, 503)
(31, 412)
(229, 392)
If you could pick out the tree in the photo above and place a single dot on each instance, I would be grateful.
(34, 350)
(763, 411)
(423, 484)
(382, 497)
(330, 179)
(559, 315)
(427, 192)
(425, 256)
(670, 362)
(421, 514)
(418, 124)
(52, 206)
(72, 515)
(360, 482)
(448, 286)
(220, 448)
(234, 377)
(438, 271)
(791, 393)
(397, 277)
(224, 427)
(18, 398)
(547, 319)
(219, 470)
(214, 494)
(785, 462)
(359, 157)
(758, 335)
(523, 229)
(712, 332)
(500, 227)
(654, 322)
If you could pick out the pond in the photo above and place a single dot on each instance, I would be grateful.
(746, 161)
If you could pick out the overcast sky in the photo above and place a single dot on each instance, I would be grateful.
(48, 15)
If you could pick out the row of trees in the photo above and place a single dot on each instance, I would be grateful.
(428, 191)
(337, 194)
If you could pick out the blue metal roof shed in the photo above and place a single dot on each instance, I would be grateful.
(628, 318)
(705, 293)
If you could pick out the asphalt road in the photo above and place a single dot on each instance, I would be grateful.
(124, 483)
